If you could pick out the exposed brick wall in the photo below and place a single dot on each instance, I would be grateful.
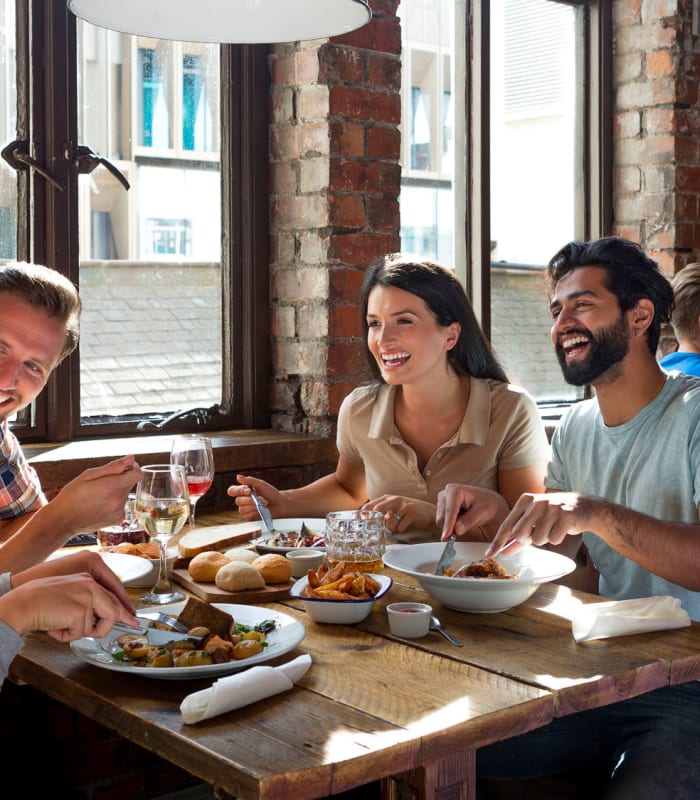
(657, 122)
(335, 181)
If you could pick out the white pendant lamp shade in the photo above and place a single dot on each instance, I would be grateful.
(226, 21)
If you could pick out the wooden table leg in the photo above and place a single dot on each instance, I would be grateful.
(449, 778)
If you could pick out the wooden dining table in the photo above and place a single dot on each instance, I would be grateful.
(408, 713)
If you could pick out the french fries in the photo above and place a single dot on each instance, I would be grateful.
(337, 584)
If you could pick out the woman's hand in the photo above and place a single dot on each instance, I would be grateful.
(269, 496)
(401, 513)
(461, 509)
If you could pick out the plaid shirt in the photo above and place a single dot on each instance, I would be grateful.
(20, 488)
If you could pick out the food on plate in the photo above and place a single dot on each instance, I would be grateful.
(141, 549)
(197, 613)
(241, 554)
(200, 648)
(204, 566)
(304, 537)
(239, 575)
(484, 568)
(217, 538)
(126, 532)
(338, 584)
(273, 567)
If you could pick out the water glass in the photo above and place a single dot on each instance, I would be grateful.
(357, 539)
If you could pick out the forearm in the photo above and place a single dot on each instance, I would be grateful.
(43, 532)
(670, 550)
(319, 498)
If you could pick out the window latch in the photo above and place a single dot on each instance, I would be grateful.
(87, 160)
(197, 417)
(17, 156)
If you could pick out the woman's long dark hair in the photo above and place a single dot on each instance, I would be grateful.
(444, 295)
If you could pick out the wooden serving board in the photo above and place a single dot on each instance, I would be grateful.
(212, 594)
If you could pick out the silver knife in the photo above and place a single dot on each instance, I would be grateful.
(264, 512)
(447, 557)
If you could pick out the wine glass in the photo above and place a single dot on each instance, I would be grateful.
(162, 502)
(194, 453)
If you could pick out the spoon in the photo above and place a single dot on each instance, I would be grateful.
(436, 626)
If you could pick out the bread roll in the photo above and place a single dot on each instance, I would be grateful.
(273, 567)
(238, 575)
(204, 566)
(241, 554)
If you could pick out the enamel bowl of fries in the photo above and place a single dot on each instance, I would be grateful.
(338, 596)
(505, 584)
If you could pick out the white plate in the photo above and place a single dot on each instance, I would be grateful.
(532, 565)
(126, 568)
(293, 524)
(285, 637)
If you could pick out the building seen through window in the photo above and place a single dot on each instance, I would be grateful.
(530, 175)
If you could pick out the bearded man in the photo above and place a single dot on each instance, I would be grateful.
(624, 475)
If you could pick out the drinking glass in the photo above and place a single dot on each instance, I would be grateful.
(194, 453)
(355, 538)
(162, 502)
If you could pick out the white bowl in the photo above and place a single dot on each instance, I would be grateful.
(340, 612)
(409, 620)
(532, 565)
(302, 559)
(148, 578)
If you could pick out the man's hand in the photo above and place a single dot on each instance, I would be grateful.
(542, 519)
(83, 561)
(96, 497)
(68, 607)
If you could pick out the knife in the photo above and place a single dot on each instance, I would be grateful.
(447, 557)
(264, 512)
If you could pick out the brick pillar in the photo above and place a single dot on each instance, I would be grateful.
(657, 120)
(335, 181)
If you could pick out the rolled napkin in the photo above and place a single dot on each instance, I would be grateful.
(625, 617)
(241, 689)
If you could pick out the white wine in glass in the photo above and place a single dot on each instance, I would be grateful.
(162, 506)
(195, 454)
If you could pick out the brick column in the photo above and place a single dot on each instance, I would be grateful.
(657, 120)
(335, 181)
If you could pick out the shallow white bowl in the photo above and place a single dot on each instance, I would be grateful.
(303, 559)
(339, 612)
(532, 565)
(148, 578)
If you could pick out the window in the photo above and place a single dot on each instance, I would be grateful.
(172, 272)
(533, 173)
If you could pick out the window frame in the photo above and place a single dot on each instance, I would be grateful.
(597, 147)
(48, 230)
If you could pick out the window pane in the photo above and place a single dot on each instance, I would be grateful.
(150, 266)
(535, 171)
(427, 191)
(8, 131)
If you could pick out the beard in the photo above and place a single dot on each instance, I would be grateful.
(605, 349)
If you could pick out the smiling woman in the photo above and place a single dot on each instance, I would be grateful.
(440, 410)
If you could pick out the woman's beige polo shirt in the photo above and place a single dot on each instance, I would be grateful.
(501, 429)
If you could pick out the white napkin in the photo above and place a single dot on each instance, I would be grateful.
(241, 689)
(624, 617)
